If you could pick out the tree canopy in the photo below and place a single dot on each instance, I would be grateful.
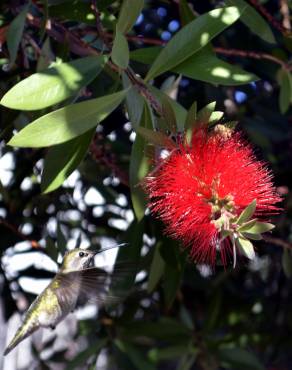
(93, 95)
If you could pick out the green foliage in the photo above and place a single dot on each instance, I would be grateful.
(253, 20)
(14, 34)
(53, 85)
(193, 37)
(120, 51)
(67, 123)
(61, 160)
(67, 95)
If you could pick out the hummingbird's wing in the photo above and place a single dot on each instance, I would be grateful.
(92, 284)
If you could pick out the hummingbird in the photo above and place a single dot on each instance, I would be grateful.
(76, 282)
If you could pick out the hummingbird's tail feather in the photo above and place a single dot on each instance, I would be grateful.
(23, 332)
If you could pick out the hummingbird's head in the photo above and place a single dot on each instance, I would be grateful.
(77, 259)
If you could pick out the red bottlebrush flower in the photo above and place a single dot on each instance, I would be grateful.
(200, 190)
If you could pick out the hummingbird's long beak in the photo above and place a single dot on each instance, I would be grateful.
(111, 247)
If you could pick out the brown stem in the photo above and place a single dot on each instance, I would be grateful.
(278, 241)
(219, 50)
(269, 17)
(101, 154)
(252, 54)
(15, 231)
(101, 32)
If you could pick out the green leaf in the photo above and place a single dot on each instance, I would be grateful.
(247, 213)
(120, 50)
(81, 359)
(14, 33)
(136, 355)
(205, 66)
(285, 97)
(179, 110)
(191, 121)
(247, 225)
(61, 240)
(204, 114)
(240, 359)
(260, 227)
(164, 328)
(67, 123)
(247, 235)
(130, 11)
(254, 21)
(191, 38)
(176, 351)
(174, 268)
(185, 12)
(246, 247)
(145, 55)
(134, 102)
(53, 85)
(168, 114)
(287, 262)
(156, 137)
(186, 362)
(156, 269)
(129, 254)
(139, 166)
(51, 249)
(61, 160)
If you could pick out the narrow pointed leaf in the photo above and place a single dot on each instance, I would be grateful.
(145, 55)
(254, 21)
(67, 123)
(247, 225)
(134, 102)
(191, 121)
(61, 160)
(14, 34)
(287, 262)
(247, 213)
(239, 358)
(53, 85)
(139, 166)
(191, 38)
(247, 235)
(130, 11)
(156, 269)
(61, 240)
(168, 114)
(179, 111)
(205, 66)
(204, 114)
(261, 227)
(185, 12)
(120, 50)
(246, 247)
(285, 97)
(156, 137)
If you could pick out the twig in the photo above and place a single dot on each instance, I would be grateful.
(253, 55)
(269, 17)
(15, 231)
(100, 153)
(278, 241)
(219, 50)
(135, 80)
(101, 32)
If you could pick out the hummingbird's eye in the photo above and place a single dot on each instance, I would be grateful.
(81, 254)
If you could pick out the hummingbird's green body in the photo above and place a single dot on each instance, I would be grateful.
(61, 295)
